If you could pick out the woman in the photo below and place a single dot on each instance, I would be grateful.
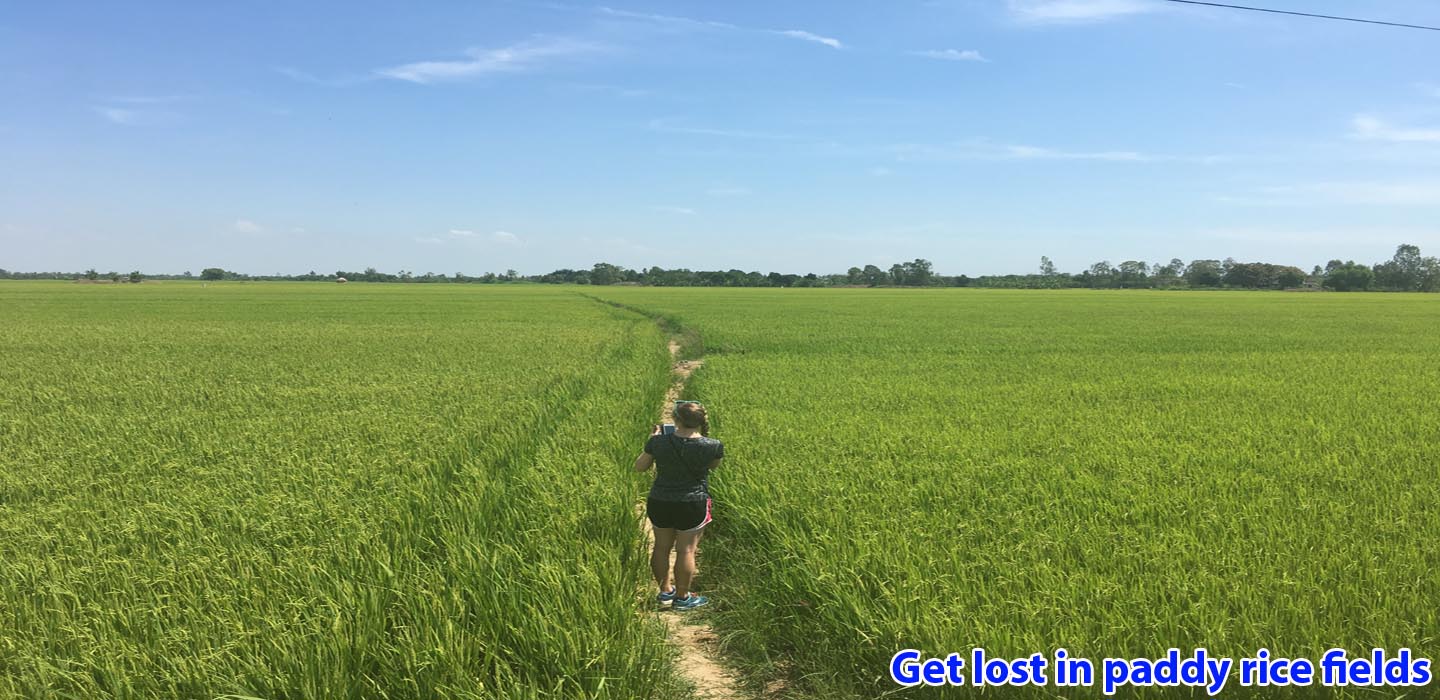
(679, 502)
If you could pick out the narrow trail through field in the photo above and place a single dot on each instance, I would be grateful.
(696, 642)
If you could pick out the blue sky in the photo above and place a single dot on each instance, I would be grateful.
(800, 136)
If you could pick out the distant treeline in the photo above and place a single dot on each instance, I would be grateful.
(1407, 271)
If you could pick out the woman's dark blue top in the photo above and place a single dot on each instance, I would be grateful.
(682, 466)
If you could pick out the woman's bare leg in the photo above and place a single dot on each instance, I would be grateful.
(660, 556)
(685, 545)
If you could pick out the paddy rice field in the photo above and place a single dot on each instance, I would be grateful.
(282, 490)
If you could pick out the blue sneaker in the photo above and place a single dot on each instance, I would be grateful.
(666, 596)
(690, 602)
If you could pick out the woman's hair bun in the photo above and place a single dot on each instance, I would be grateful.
(692, 415)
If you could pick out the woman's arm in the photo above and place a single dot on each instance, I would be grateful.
(646, 460)
(719, 455)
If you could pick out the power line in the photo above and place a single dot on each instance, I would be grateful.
(1308, 14)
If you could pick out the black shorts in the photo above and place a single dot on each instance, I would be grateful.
(685, 516)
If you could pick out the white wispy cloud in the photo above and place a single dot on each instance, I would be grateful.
(665, 125)
(1430, 89)
(301, 76)
(728, 191)
(952, 55)
(987, 150)
(677, 22)
(150, 99)
(479, 62)
(143, 110)
(120, 115)
(811, 36)
(246, 226)
(457, 235)
(1039, 153)
(1415, 193)
(297, 75)
(686, 211)
(1370, 128)
(1312, 236)
(615, 90)
(665, 19)
(981, 150)
(1060, 11)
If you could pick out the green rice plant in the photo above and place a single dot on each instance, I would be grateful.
(1113, 473)
(307, 491)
